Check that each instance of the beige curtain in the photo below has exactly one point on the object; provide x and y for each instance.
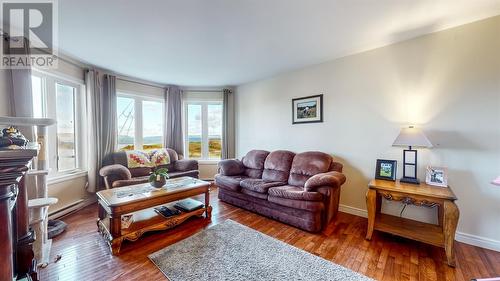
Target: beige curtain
(228, 128)
(173, 117)
(21, 98)
(101, 114)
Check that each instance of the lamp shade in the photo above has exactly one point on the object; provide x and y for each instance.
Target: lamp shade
(411, 136)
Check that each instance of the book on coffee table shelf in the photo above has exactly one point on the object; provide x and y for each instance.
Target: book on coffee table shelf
(166, 211)
(127, 220)
(188, 205)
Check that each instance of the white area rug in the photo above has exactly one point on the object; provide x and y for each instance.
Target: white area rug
(231, 251)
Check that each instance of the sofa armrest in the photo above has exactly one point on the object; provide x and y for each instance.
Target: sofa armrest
(231, 167)
(116, 170)
(185, 165)
(120, 183)
(334, 179)
(336, 166)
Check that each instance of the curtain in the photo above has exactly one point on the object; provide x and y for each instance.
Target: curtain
(94, 158)
(173, 115)
(108, 109)
(21, 99)
(101, 114)
(228, 150)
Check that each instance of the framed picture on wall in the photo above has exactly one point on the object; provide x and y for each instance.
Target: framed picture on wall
(307, 109)
(437, 176)
(386, 169)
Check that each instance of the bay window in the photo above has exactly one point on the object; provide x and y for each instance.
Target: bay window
(60, 99)
(203, 129)
(140, 122)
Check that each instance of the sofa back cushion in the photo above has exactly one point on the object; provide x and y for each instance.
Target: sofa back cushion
(277, 166)
(140, 171)
(173, 157)
(254, 163)
(120, 157)
(308, 164)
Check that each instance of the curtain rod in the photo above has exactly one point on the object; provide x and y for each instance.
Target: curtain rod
(138, 82)
(203, 91)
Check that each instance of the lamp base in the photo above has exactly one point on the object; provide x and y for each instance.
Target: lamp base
(410, 180)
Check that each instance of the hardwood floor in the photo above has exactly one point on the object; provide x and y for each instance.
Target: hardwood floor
(85, 256)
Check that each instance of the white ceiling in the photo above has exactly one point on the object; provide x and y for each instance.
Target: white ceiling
(230, 42)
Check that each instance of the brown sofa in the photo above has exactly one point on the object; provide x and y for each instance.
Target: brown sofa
(116, 173)
(299, 189)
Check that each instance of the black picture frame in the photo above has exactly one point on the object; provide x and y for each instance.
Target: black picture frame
(382, 173)
(296, 101)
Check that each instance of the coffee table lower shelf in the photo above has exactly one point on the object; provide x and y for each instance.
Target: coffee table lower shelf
(144, 221)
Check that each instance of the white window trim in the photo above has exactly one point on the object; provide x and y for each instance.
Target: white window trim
(138, 122)
(49, 81)
(204, 128)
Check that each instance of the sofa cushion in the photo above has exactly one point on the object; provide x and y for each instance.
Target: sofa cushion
(229, 182)
(313, 206)
(140, 172)
(133, 181)
(277, 165)
(230, 167)
(308, 164)
(258, 185)
(254, 163)
(294, 193)
(259, 195)
(192, 173)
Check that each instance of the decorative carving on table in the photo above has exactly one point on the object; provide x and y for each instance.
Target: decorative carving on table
(407, 200)
(115, 242)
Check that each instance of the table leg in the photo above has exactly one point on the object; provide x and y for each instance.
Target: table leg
(115, 225)
(371, 205)
(101, 211)
(450, 221)
(208, 212)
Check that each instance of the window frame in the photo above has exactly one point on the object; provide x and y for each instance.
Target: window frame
(204, 128)
(138, 117)
(49, 106)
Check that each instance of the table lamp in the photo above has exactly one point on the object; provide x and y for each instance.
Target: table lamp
(411, 137)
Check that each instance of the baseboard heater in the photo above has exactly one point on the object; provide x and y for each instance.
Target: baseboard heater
(77, 205)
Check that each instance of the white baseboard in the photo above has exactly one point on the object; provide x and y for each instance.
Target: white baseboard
(353, 211)
(478, 241)
(466, 238)
(80, 204)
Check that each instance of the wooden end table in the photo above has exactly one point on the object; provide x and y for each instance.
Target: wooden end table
(139, 201)
(441, 235)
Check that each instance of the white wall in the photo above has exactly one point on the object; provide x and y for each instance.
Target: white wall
(448, 83)
(139, 88)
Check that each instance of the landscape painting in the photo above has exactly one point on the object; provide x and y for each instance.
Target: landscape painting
(307, 109)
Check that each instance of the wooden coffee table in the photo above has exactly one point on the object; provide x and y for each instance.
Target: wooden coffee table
(139, 200)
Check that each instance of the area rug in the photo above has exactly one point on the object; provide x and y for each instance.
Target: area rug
(231, 251)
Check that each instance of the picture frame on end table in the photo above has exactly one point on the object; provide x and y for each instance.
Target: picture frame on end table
(386, 169)
(437, 176)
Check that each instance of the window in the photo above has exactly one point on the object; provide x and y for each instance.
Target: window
(59, 99)
(203, 130)
(126, 124)
(139, 122)
(66, 130)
